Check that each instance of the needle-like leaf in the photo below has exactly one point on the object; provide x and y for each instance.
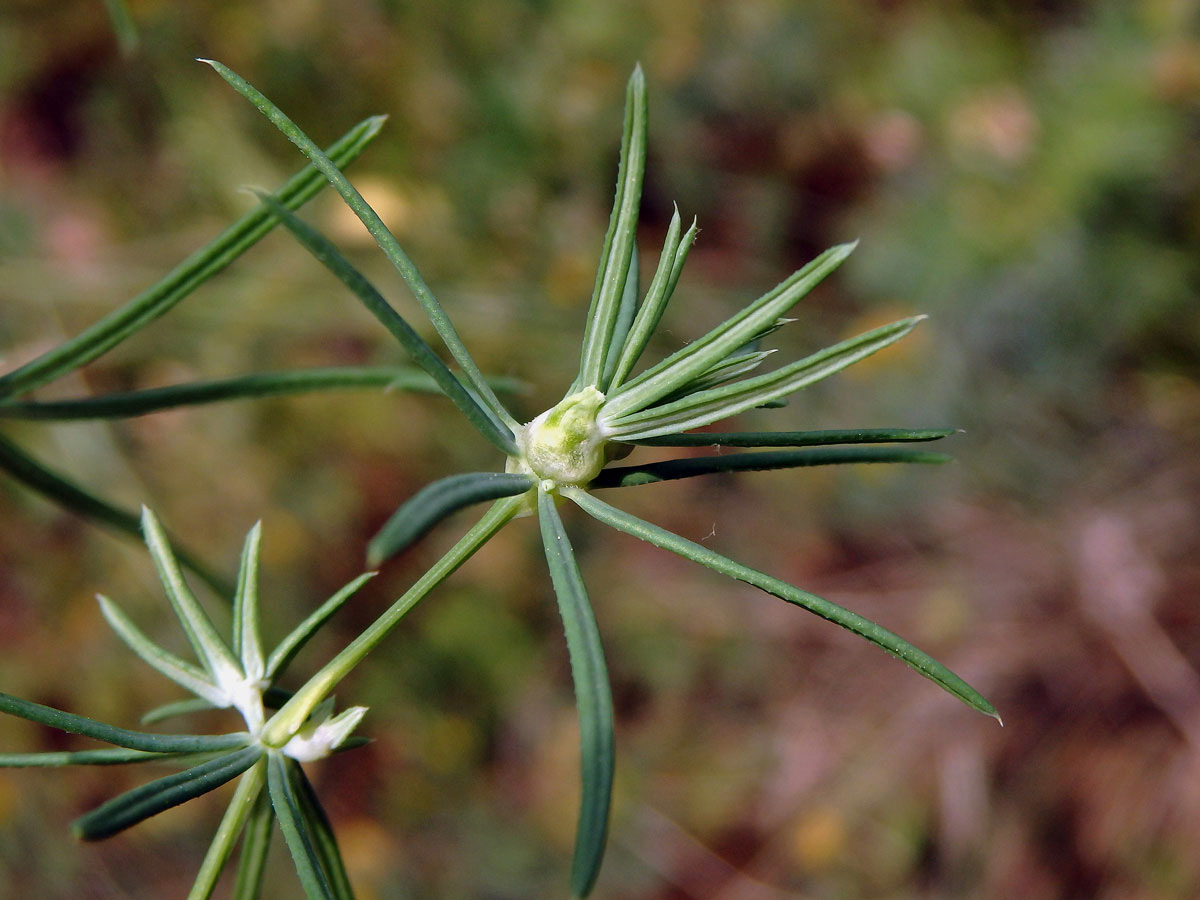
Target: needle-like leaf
(625, 316)
(211, 649)
(150, 799)
(617, 253)
(662, 286)
(705, 352)
(876, 634)
(247, 642)
(187, 276)
(114, 756)
(669, 470)
(795, 438)
(297, 831)
(729, 368)
(178, 670)
(485, 421)
(714, 404)
(128, 404)
(176, 708)
(299, 636)
(434, 502)
(383, 237)
(123, 25)
(322, 832)
(120, 737)
(285, 723)
(593, 697)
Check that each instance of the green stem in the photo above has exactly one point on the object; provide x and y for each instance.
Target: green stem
(245, 798)
(285, 723)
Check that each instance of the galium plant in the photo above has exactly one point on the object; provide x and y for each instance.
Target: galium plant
(143, 310)
(566, 453)
(235, 674)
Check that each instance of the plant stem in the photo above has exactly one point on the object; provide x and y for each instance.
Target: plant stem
(288, 720)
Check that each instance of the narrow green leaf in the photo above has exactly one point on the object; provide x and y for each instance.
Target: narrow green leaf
(187, 276)
(592, 696)
(118, 756)
(322, 832)
(662, 285)
(729, 368)
(150, 799)
(218, 660)
(706, 407)
(795, 438)
(247, 642)
(669, 470)
(383, 237)
(71, 496)
(180, 671)
(176, 708)
(477, 413)
(701, 354)
(287, 649)
(245, 799)
(285, 723)
(618, 241)
(128, 404)
(297, 831)
(630, 293)
(121, 737)
(433, 503)
(273, 697)
(123, 25)
(255, 845)
(892, 643)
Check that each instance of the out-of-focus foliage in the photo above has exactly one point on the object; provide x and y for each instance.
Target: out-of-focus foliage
(1027, 173)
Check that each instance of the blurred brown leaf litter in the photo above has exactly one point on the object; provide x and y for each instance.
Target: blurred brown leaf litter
(1026, 173)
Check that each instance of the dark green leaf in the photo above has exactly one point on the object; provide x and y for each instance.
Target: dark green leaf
(892, 643)
(593, 697)
(123, 25)
(625, 314)
(662, 285)
(186, 277)
(73, 497)
(430, 505)
(627, 476)
(297, 830)
(322, 830)
(177, 708)
(794, 438)
(383, 237)
(714, 404)
(615, 257)
(121, 737)
(484, 419)
(150, 799)
(286, 650)
(707, 351)
(243, 387)
(109, 757)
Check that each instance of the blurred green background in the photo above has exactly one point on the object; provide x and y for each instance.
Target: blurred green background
(1028, 173)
